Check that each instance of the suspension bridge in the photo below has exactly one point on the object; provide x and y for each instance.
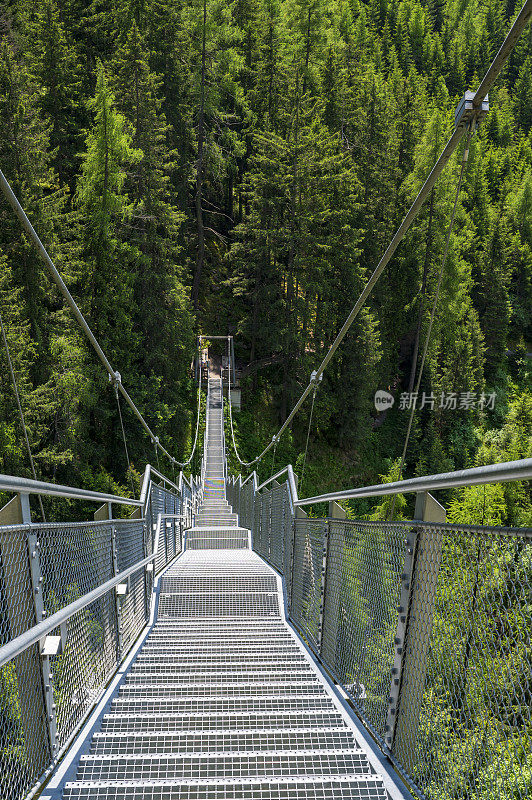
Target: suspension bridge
(212, 639)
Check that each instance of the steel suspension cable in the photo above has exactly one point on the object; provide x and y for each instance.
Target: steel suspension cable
(273, 459)
(476, 102)
(235, 448)
(434, 307)
(58, 280)
(308, 437)
(125, 442)
(198, 415)
(20, 411)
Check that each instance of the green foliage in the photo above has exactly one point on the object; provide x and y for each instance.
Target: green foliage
(239, 167)
(256, 156)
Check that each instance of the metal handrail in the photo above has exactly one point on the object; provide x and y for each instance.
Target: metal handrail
(30, 637)
(151, 472)
(492, 473)
(291, 481)
(14, 484)
(251, 475)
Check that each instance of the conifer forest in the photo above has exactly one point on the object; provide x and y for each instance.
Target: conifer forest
(238, 168)
(204, 166)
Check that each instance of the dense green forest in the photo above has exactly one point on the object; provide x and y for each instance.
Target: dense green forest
(206, 166)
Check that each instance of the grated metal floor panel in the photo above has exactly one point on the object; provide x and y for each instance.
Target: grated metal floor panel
(222, 702)
(223, 742)
(329, 789)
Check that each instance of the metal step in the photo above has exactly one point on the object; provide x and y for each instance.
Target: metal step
(222, 702)
(175, 605)
(201, 690)
(222, 742)
(337, 788)
(213, 766)
(184, 584)
(154, 675)
(218, 648)
(221, 705)
(221, 722)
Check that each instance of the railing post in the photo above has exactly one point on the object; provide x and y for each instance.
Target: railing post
(114, 554)
(323, 579)
(47, 676)
(419, 583)
(332, 584)
(19, 553)
(300, 514)
(270, 519)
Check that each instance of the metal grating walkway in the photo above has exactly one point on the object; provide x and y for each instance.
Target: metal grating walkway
(223, 701)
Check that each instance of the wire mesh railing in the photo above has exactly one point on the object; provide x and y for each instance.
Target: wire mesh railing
(426, 626)
(48, 688)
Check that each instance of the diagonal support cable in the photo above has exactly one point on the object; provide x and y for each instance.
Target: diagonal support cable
(58, 280)
(472, 108)
(434, 307)
(308, 437)
(125, 442)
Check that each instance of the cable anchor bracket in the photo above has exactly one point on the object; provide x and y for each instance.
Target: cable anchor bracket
(467, 113)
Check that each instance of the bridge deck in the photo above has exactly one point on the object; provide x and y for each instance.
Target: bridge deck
(222, 699)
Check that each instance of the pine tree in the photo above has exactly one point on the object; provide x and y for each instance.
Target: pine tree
(53, 62)
(25, 159)
(159, 312)
(216, 96)
(104, 207)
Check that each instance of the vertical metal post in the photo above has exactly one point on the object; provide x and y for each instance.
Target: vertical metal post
(300, 514)
(114, 552)
(271, 546)
(47, 675)
(323, 575)
(165, 525)
(333, 584)
(148, 573)
(282, 531)
(24, 608)
(419, 583)
(175, 522)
